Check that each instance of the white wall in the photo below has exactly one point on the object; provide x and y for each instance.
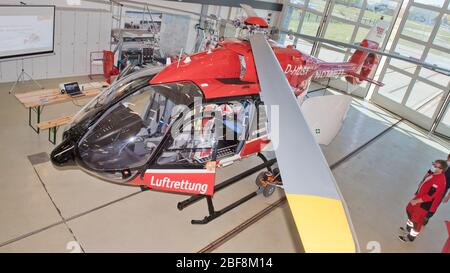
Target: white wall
(82, 29)
(58, 3)
(77, 33)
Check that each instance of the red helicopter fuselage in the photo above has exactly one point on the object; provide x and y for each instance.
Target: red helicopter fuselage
(229, 70)
(227, 80)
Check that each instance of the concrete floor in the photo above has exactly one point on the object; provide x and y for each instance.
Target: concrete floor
(46, 210)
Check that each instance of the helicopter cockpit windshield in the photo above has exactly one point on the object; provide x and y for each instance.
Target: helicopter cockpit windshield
(118, 140)
(126, 128)
(116, 90)
(128, 133)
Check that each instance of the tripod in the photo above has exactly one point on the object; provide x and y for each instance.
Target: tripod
(21, 78)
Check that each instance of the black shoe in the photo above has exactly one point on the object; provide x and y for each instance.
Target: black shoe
(403, 230)
(403, 239)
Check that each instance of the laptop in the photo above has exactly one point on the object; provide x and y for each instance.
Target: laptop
(73, 89)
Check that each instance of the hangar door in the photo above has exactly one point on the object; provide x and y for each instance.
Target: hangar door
(418, 94)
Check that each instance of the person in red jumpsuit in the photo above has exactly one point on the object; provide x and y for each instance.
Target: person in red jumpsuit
(425, 202)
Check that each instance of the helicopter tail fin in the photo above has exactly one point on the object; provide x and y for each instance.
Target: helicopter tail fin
(378, 32)
(366, 62)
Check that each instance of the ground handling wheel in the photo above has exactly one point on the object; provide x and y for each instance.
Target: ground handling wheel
(261, 178)
(268, 190)
(267, 181)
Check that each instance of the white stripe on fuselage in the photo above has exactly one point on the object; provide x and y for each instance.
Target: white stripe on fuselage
(335, 73)
(303, 70)
(298, 70)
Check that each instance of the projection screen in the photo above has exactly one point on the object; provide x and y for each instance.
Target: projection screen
(26, 30)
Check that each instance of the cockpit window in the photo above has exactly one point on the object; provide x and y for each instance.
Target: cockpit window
(211, 131)
(117, 89)
(128, 133)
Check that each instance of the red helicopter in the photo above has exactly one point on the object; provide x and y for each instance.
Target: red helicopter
(170, 128)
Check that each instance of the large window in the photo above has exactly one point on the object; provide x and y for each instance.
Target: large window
(435, 3)
(351, 21)
(443, 35)
(424, 35)
(396, 85)
(302, 16)
(444, 125)
(409, 49)
(419, 29)
(420, 23)
(348, 10)
(292, 18)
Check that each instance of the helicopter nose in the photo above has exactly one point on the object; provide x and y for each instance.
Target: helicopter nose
(63, 154)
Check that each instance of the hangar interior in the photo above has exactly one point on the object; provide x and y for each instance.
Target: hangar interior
(388, 140)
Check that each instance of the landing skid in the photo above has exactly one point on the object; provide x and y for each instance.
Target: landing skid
(213, 214)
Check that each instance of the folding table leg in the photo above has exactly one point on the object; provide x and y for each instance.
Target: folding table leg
(38, 110)
(52, 135)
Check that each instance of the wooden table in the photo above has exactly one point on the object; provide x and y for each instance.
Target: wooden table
(36, 100)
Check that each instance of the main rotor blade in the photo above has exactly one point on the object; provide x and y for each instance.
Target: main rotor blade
(249, 10)
(315, 201)
(378, 52)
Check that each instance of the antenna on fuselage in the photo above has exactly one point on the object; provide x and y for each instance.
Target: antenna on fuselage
(179, 57)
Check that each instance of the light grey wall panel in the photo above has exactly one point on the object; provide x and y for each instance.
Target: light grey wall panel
(39, 65)
(80, 51)
(9, 72)
(54, 61)
(67, 42)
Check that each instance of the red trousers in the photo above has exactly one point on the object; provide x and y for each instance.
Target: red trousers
(417, 215)
(446, 248)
